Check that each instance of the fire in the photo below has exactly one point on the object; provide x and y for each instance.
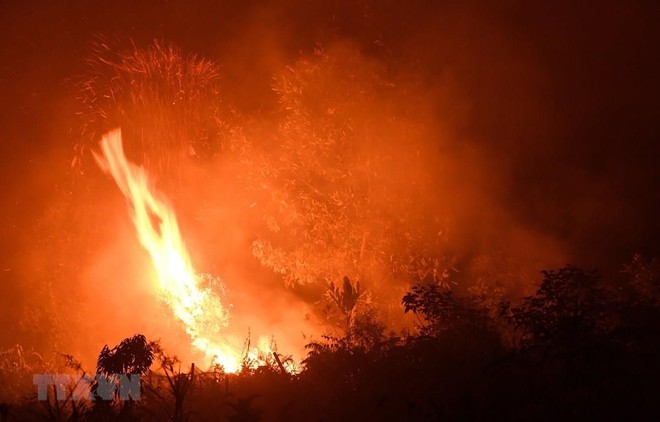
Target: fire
(197, 306)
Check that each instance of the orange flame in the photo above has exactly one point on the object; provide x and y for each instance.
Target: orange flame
(199, 309)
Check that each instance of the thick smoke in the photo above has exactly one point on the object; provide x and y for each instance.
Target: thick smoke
(471, 145)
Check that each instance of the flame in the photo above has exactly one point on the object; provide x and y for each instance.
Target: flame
(181, 288)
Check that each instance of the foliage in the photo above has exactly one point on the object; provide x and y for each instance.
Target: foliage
(587, 350)
(132, 356)
(440, 310)
(346, 298)
(328, 183)
(577, 351)
(367, 331)
(569, 307)
(16, 367)
(645, 278)
(177, 387)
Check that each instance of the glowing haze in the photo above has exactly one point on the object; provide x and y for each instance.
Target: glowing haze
(189, 295)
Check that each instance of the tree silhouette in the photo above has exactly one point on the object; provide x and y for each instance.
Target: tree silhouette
(346, 298)
(569, 309)
(568, 348)
(133, 355)
(438, 309)
(178, 385)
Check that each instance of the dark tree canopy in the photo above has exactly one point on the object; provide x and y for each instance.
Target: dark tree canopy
(133, 355)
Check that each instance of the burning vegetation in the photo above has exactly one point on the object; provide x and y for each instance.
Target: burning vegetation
(197, 307)
(332, 224)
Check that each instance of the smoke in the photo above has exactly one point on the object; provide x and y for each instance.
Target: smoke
(469, 144)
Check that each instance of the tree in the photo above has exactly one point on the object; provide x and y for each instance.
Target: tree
(569, 309)
(569, 354)
(133, 355)
(343, 184)
(438, 309)
(346, 298)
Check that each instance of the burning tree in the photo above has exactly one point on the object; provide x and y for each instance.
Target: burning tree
(343, 186)
(342, 183)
